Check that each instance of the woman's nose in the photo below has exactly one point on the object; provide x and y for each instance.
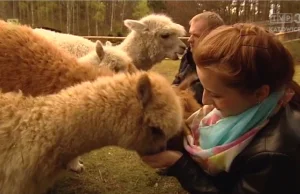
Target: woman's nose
(206, 99)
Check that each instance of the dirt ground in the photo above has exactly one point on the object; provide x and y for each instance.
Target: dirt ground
(113, 170)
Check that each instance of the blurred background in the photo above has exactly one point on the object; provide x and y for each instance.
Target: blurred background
(105, 18)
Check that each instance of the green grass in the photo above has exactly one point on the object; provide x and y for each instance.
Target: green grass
(168, 68)
(114, 170)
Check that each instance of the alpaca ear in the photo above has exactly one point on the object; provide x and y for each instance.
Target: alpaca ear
(99, 49)
(135, 25)
(144, 89)
(108, 43)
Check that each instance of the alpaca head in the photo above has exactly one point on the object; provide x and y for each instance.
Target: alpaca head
(114, 58)
(117, 60)
(153, 117)
(159, 34)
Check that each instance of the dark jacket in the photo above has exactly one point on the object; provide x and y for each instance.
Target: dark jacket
(188, 66)
(270, 164)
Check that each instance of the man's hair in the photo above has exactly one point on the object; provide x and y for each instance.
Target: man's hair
(213, 19)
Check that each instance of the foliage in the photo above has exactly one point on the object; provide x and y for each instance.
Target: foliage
(141, 9)
(99, 9)
(101, 17)
(157, 6)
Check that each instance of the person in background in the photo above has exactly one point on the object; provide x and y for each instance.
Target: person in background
(200, 25)
(249, 140)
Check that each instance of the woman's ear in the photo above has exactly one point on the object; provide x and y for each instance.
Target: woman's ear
(262, 93)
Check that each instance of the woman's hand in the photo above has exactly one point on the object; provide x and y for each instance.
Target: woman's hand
(163, 159)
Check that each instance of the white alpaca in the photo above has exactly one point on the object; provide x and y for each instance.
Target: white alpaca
(84, 49)
(152, 39)
(39, 136)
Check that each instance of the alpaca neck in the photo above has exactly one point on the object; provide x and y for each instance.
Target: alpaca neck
(137, 48)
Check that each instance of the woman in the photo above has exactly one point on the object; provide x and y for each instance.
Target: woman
(249, 140)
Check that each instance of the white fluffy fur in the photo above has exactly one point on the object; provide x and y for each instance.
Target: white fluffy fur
(152, 39)
(85, 50)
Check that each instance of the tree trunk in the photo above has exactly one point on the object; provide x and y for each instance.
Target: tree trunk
(32, 13)
(266, 10)
(73, 17)
(112, 16)
(87, 3)
(27, 14)
(20, 11)
(47, 12)
(123, 15)
(53, 13)
(237, 14)
(13, 9)
(77, 17)
(97, 33)
(60, 5)
(68, 17)
(2, 10)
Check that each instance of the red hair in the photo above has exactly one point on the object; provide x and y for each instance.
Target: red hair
(247, 57)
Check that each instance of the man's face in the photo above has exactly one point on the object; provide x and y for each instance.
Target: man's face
(197, 28)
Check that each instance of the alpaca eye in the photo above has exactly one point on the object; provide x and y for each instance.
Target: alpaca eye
(156, 131)
(164, 36)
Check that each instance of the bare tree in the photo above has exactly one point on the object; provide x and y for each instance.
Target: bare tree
(32, 13)
(112, 15)
(68, 17)
(87, 6)
(73, 17)
(123, 14)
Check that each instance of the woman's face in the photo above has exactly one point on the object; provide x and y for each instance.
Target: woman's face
(229, 101)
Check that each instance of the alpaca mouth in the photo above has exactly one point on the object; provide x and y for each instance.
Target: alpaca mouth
(175, 56)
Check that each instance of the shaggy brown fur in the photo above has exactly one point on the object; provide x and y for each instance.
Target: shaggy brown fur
(189, 103)
(35, 66)
(30, 63)
(40, 135)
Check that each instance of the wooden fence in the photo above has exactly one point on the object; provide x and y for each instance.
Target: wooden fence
(283, 36)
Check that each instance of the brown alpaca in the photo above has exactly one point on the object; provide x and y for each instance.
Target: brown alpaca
(30, 63)
(35, 66)
(40, 135)
(189, 103)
